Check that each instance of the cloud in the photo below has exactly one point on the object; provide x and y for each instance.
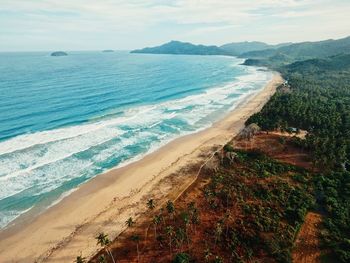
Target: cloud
(152, 21)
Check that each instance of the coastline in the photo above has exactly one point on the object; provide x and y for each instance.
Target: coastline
(104, 203)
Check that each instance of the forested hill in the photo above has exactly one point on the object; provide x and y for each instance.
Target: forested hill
(333, 63)
(317, 99)
(231, 49)
(177, 48)
(297, 52)
(238, 48)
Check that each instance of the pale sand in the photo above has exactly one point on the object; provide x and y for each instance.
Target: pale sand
(104, 203)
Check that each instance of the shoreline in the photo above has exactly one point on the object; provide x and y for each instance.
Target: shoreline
(104, 203)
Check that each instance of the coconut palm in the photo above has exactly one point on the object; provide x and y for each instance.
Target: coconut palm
(192, 207)
(207, 255)
(180, 237)
(151, 204)
(80, 259)
(170, 208)
(195, 220)
(218, 259)
(136, 238)
(186, 219)
(130, 222)
(169, 230)
(102, 259)
(218, 232)
(156, 221)
(103, 241)
(226, 220)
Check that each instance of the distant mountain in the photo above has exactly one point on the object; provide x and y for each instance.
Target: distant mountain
(177, 48)
(107, 50)
(59, 54)
(305, 50)
(242, 47)
(239, 48)
(297, 52)
(334, 63)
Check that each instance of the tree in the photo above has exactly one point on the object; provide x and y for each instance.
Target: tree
(136, 239)
(102, 259)
(156, 221)
(180, 235)
(170, 208)
(195, 220)
(80, 259)
(181, 258)
(207, 255)
(218, 232)
(218, 259)
(130, 222)
(103, 241)
(169, 230)
(186, 219)
(150, 204)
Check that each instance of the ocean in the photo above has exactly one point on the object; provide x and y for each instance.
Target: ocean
(64, 120)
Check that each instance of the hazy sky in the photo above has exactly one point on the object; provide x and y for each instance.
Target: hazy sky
(129, 24)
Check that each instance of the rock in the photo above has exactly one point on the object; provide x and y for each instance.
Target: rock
(59, 54)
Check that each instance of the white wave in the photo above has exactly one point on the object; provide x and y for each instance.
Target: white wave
(8, 216)
(43, 161)
(54, 152)
(29, 140)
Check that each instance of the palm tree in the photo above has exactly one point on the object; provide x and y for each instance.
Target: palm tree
(192, 207)
(170, 208)
(218, 232)
(195, 220)
(102, 259)
(156, 220)
(80, 259)
(207, 255)
(136, 238)
(226, 219)
(186, 219)
(130, 222)
(218, 259)
(170, 232)
(103, 241)
(180, 237)
(151, 204)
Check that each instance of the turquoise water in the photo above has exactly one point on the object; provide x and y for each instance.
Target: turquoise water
(63, 120)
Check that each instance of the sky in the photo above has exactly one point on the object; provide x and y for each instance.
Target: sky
(34, 25)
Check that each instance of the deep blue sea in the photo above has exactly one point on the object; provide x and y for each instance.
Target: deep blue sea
(64, 120)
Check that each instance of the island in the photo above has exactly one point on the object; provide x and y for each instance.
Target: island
(58, 54)
(107, 51)
(232, 49)
(182, 48)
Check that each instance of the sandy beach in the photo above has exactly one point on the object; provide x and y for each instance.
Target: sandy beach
(104, 203)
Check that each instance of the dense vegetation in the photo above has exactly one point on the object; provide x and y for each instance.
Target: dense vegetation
(300, 51)
(317, 99)
(251, 207)
(246, 209)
